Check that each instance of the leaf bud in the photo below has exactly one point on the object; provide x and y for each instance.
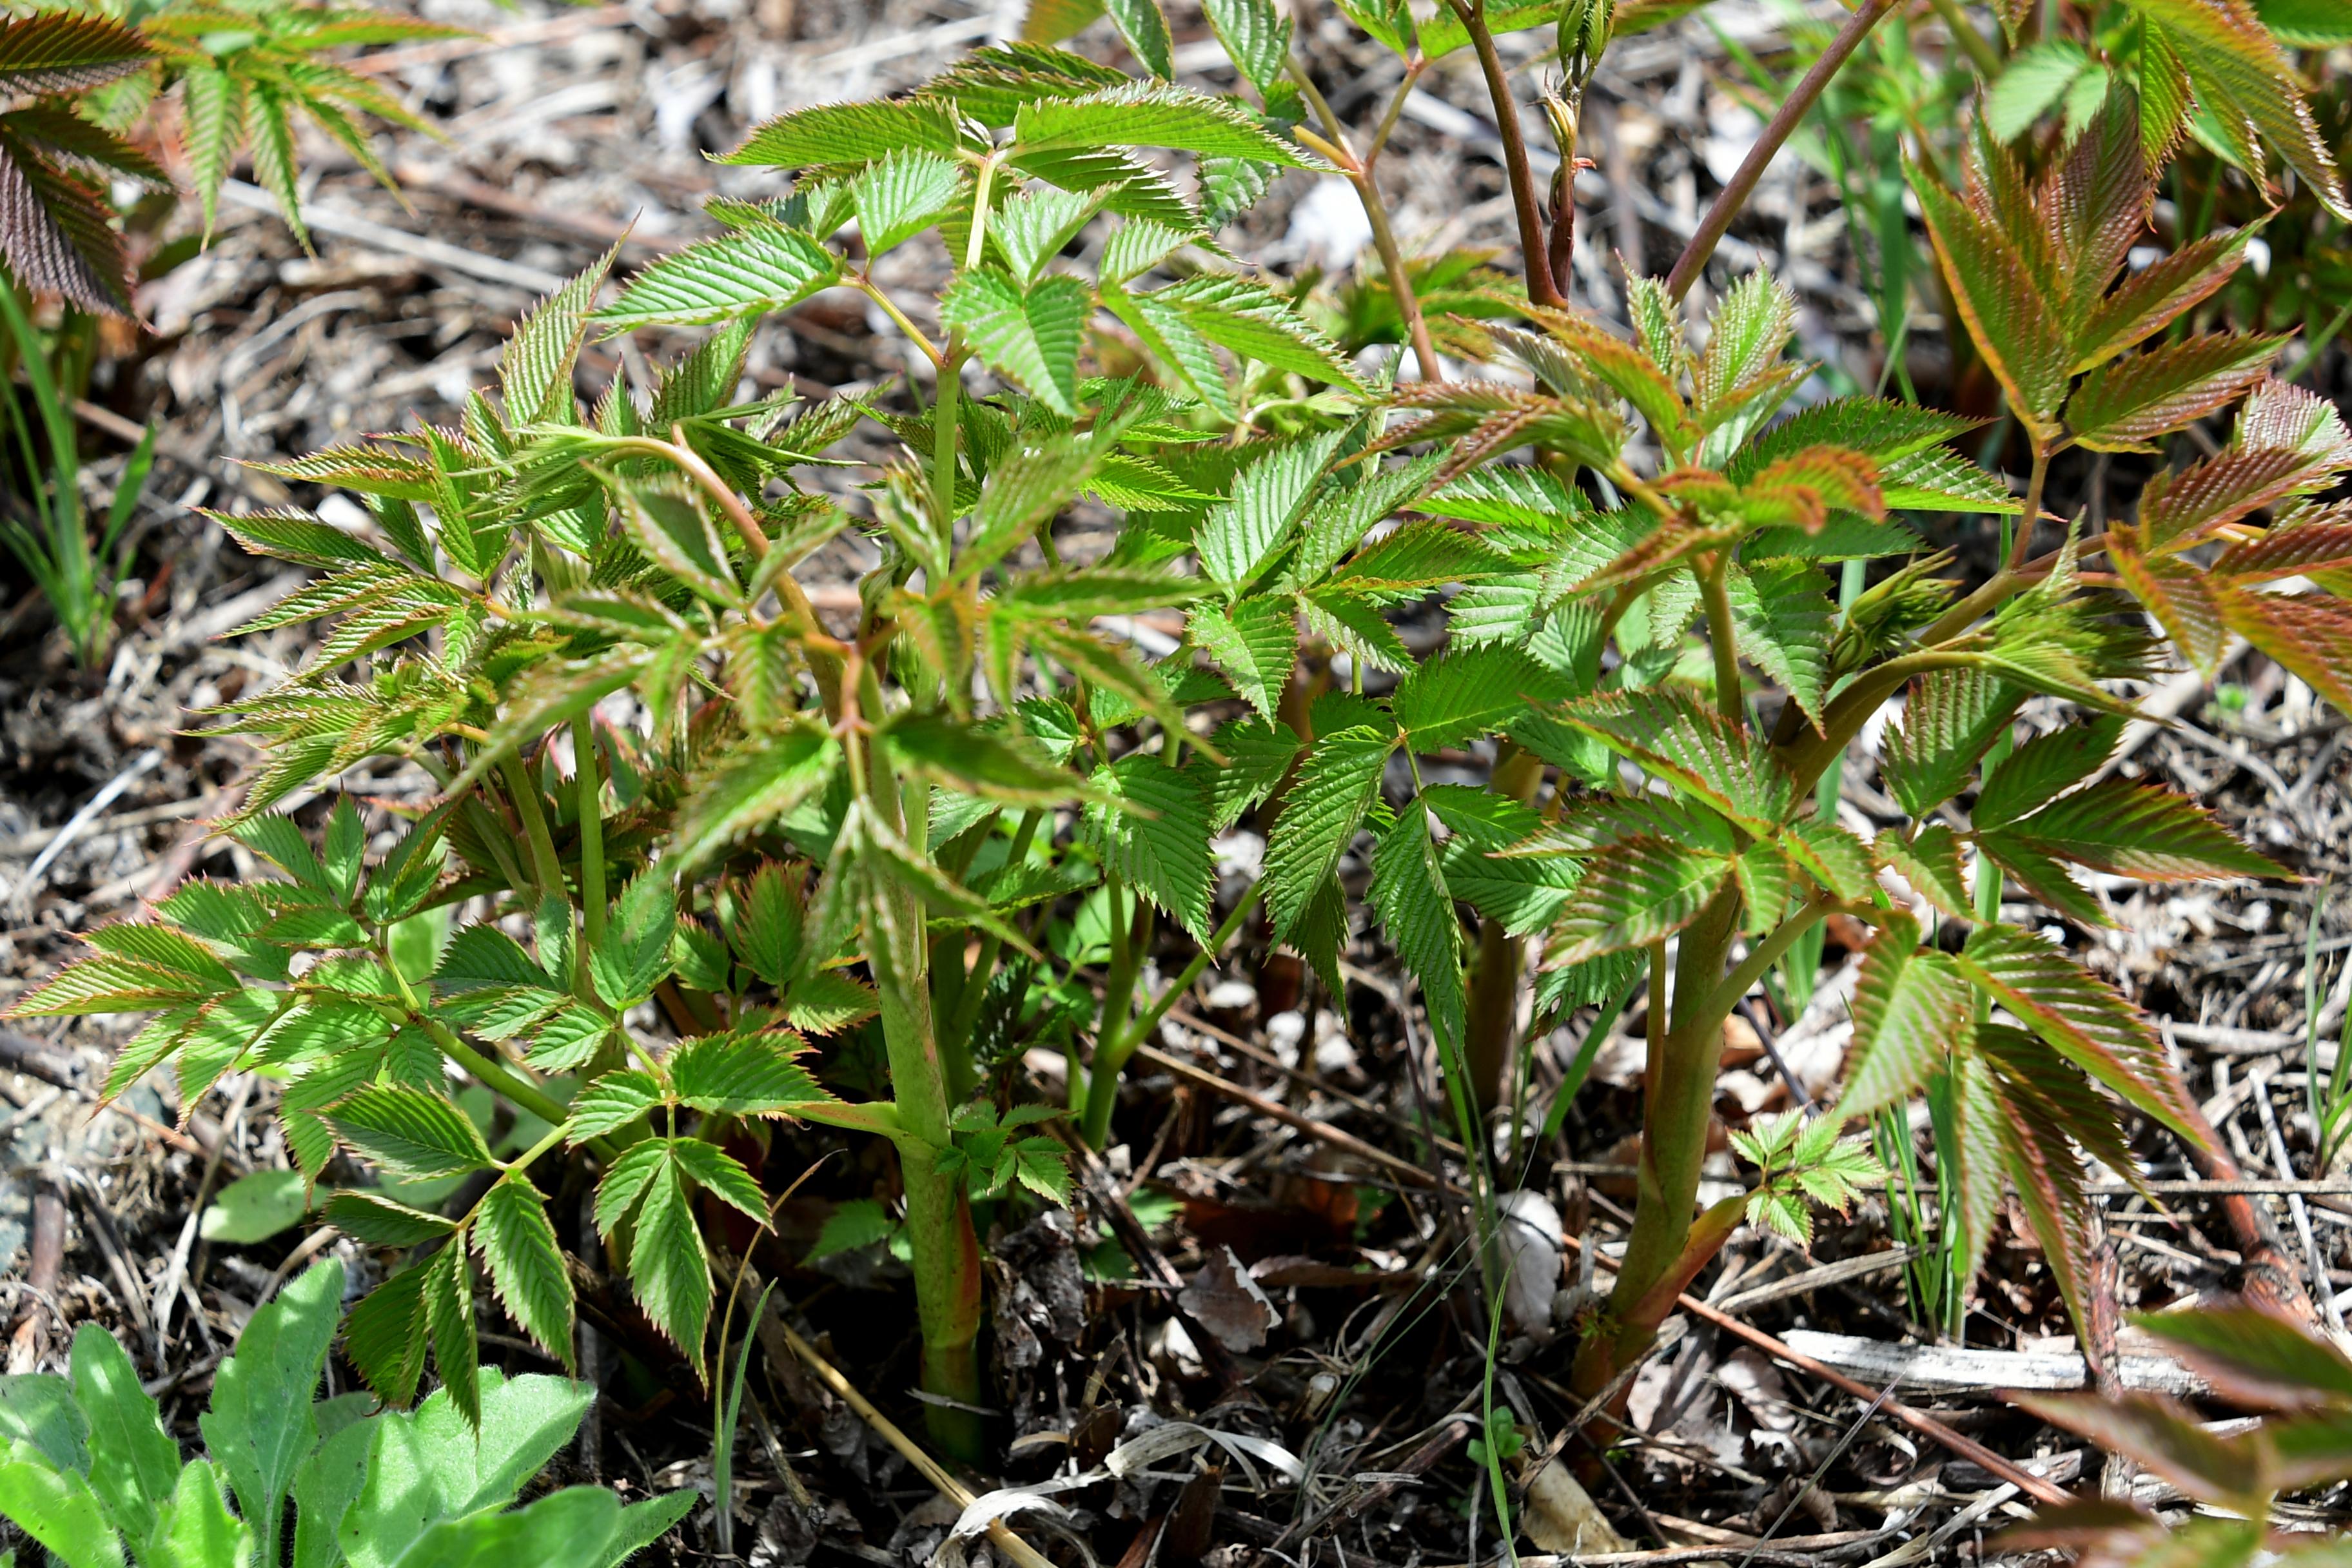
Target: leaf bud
(1584, 27)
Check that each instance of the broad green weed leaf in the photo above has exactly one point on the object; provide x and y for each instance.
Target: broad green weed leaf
(134, 1463)
(196, 1529)
(573, 1526)
(56, 1507)
(260, 1426)
(434, 1464)
(256, 1206)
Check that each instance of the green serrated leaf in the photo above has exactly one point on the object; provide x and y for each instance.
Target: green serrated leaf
(412, 1134)
(1329, 799)
(1030, 336)
(510, 1230)
(1633, 893)
(1153, 832)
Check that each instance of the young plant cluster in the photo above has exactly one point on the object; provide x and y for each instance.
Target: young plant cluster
(695, 829)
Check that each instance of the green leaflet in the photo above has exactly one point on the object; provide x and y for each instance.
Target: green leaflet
(1151, 114)
(1667, 731)
(1417, 913)
(1458, 696)
(1636, 892)
(851, 134)
(1258, 755)
(2080, 1016)
(1255, 644)
(1524, 892)
(413, 1134)
(1239, 536)
(1256, 36)
(750, 272)
(1911, 1008)
(511, 1231)
(1152, 831)
(1256, 324)
(1328, 801)
(1950, 719)
(1146, 32)
(1029, 336)
(902, 195)
(1784, 614)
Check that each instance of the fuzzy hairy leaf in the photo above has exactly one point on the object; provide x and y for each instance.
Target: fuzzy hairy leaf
(1029, 336)
(2143, 831)
(1256, 643)
(412, 1134)
(1459, 696)
(1667, 731)
(832, 134)
(2124, 405)
(1241, 535)
(1950, 719)
(510, 1230)
(1256, 324)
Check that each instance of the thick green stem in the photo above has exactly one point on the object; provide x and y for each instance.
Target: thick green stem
(547, 870)
(1101, 1090)
(1679, 1099)
(1113, 1049)
(948, 1304)
(588, 780)
(1491, 1014)
(946, 1262)
(1713, 1228)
